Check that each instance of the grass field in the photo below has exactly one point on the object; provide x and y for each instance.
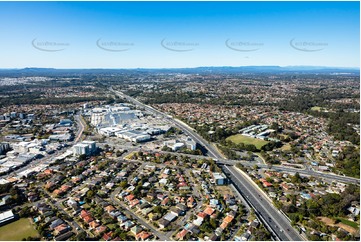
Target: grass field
(316, 108)
(128, 157)
(224, 190)
(345, 224)
(239, 138)
(112, 226)
(86, 206)
(349, 223)
(286, 147)
(18, 230)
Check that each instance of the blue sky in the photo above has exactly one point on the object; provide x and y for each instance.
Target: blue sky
(178, 34)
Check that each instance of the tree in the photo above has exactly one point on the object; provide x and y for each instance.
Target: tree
(90, 194)
(123, 184)
(296, 178)
(81, 236)
(118, 153)
(262, 234)
(158, 209)
(82, 157)
(213, 223)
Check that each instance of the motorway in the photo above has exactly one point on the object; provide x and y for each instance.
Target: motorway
(274, 219)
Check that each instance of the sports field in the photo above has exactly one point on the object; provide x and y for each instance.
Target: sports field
(17, 230)
(239, 138)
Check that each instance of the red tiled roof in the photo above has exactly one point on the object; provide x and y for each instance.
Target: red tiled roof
(129, 197)
(93, 224)
(134, 202)
(88, 219)
(223, 225)
(108, 236)
(60, 227)
(165, 201)
(209, 211)
(228, 219)
(143, 235)
(202, 215)
(65, 188)
(181, 234)
(109, 208)
(84, 213)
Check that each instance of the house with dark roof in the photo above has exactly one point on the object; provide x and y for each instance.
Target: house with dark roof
(163, 223)
(56, 223)
(64, 237)
(61, 229)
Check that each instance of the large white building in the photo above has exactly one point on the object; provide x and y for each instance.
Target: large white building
(113, 115)
(85, 148)
(21, 147)
(134, 135)
(178, 144)
(6, 217)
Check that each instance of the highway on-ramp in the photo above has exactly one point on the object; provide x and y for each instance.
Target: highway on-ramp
(306, 172)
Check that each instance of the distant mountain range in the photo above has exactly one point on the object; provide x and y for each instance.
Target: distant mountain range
(200, 70)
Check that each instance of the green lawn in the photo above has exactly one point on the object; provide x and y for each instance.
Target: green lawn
(18, 230)
(349, 223)
(239, 138)
(113, 226)
(86, 206)
(316, 108)
(286, 147)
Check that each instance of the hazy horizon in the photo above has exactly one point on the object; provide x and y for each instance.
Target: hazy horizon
(195, 67)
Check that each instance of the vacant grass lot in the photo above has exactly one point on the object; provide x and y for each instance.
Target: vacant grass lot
(316, 108)
(349, 223)
(17, 230)
(286, 147)
(239, 138)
